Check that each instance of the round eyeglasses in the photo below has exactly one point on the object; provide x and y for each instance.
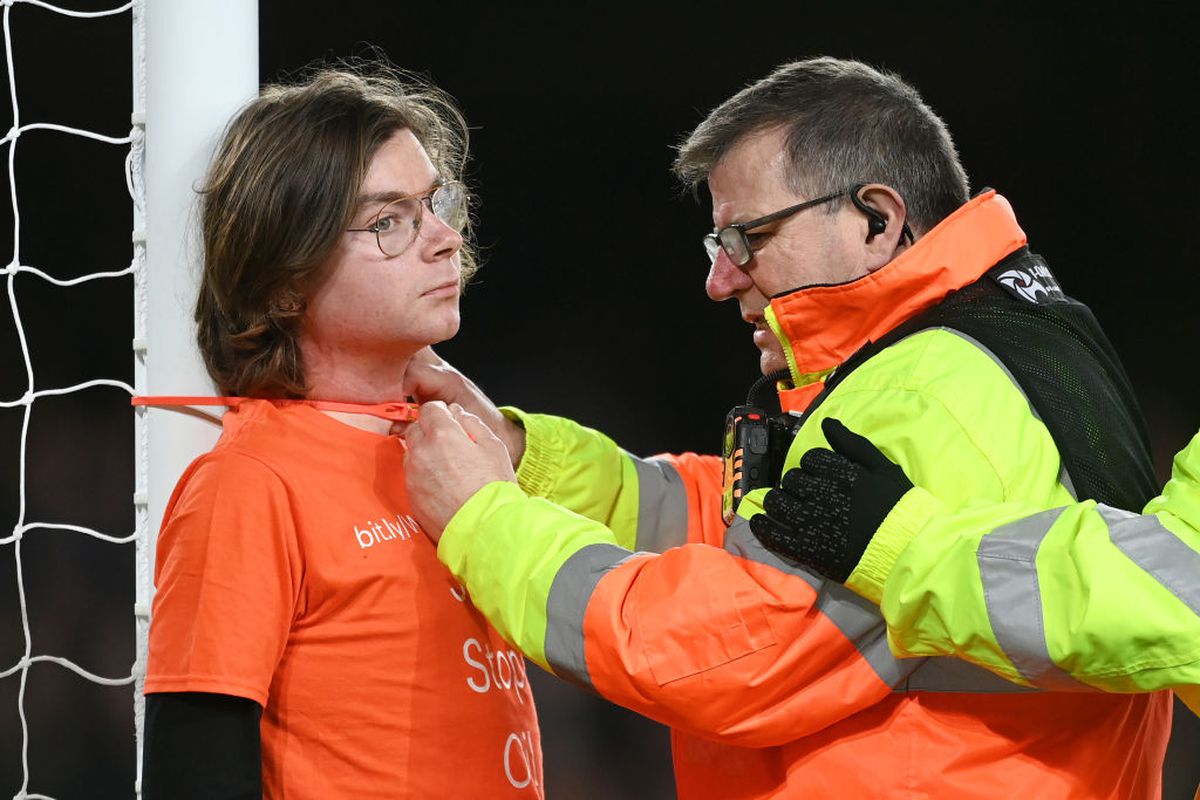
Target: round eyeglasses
(397, 224)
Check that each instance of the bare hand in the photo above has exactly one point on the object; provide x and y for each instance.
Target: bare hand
(430, 377)
(451, 455)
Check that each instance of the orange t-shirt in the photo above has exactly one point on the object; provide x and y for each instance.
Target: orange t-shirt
(290, 572)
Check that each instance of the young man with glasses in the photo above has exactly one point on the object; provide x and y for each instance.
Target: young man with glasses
(953, 348)
(304, 641)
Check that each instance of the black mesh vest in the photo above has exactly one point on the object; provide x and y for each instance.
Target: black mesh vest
(1056, 352)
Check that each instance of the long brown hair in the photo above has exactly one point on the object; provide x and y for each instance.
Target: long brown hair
(278, 195)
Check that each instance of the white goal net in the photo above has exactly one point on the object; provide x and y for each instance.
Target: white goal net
(65, 562)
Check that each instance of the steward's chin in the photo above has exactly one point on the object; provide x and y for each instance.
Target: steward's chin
(769, 362)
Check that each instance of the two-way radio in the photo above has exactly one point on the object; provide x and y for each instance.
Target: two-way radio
(754, 446)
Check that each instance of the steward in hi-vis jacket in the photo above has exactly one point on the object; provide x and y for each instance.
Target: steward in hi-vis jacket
(965, 362)
(1109, 597)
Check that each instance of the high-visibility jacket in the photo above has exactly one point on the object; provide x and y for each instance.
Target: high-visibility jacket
(775, 682)
(1118, 605)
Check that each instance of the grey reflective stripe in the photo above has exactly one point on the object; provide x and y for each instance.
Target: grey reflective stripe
(861, 623)
(1063, 476)
(567, 603)
(1161, 554)
(1008, 568)
(662, 505)
(857, 619)
(741, 542)
(945, 674)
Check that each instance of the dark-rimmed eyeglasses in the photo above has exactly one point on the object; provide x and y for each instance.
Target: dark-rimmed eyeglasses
(396, 224)
(733, 239)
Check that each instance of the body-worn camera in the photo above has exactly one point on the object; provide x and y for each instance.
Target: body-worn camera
(754, 448)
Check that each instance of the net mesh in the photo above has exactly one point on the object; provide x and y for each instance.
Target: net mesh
(1057, 354)
(25, 401)
(1073, 378)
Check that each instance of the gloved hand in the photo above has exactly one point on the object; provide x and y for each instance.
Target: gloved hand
(825, 511)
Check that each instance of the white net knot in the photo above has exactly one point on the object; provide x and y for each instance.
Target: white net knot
(15, 130)
(18, 532)
(12, 267)
(8, 2)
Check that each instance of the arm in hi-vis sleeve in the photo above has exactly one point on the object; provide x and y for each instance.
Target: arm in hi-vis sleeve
(1109, 597)
(720, 637)
(677, 637)
(648, 504)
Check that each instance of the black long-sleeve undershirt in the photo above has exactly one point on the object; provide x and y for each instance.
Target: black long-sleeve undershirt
(201, 746)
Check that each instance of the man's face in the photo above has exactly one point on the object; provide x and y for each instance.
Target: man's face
(371, 306)
(811, 247)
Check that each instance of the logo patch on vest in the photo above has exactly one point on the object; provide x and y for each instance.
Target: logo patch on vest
(1033, 284)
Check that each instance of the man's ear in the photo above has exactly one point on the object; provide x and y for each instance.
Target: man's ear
(886, 231)
(286, 307)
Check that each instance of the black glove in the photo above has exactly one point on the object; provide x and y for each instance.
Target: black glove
(825, 511)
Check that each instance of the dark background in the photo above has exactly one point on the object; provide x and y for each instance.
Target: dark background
(591, 302)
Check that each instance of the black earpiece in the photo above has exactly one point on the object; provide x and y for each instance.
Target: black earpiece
(876, 222)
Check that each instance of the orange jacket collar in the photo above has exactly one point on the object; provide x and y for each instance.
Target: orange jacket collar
(821, 326)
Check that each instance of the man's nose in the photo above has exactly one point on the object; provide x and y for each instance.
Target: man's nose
(724, 279)
(439, 240)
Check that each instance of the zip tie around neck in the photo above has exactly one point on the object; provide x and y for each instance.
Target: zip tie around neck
(397, 412)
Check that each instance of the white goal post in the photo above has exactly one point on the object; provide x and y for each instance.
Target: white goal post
(194, 65)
